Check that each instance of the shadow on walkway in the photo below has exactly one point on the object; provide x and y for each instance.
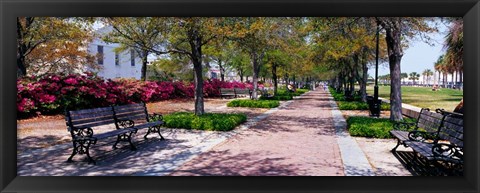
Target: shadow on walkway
(419, 167)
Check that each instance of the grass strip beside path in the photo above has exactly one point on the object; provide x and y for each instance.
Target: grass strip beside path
(253, 103)
(207, 121)
(371, 127)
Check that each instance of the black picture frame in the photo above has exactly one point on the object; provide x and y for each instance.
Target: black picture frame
(9, 9)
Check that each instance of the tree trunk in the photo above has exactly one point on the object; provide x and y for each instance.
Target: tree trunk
(222, 70)
(461, 76)
(453, 76)
(256, 69)
(274, 78)
(144, 66)
(22, 46)
(255, 84)
(445, 79)
(395, 53)
(456, 78)
(294, 81)
(21, 69)
(196, 47)
(363, 87)
(240, 73)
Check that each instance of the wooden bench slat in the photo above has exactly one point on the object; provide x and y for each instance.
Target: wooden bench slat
(402, 135)
(90, 111)
(113, 133)
(424, 149)
(93, 119)
(91, 115)
(131, 117)
(124, 109)
(128, 106)
(94, 124)
(148, 124)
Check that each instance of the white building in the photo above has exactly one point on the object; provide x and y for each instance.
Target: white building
(114, 64)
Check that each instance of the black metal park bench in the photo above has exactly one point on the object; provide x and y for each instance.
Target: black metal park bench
(235, 92)
(227, 92)
(127, 120)
(423, 130)
(243, 92)
(447, 147)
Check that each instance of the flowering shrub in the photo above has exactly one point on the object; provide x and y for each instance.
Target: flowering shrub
(54, 93)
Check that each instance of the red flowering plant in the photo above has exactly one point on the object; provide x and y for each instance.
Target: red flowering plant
(55, 93)
(164, 91)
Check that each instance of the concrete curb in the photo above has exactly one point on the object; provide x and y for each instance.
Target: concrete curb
(355, 161)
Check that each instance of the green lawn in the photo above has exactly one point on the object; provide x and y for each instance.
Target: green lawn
(424, 97)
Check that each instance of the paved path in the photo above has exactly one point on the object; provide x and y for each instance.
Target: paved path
(305, 136)
(302, 138)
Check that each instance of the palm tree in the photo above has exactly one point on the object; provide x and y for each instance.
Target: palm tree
(427, 73)
(414, 76)
(454, 49)
(439, 66)
(424, 75)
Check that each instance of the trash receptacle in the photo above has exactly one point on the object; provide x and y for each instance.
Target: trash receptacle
(374, 106)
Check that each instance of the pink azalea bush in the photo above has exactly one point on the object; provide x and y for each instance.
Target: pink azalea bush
(55, 93)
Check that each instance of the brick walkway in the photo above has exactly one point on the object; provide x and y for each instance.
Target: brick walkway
(299, 139)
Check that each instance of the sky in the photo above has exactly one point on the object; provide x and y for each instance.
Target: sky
(419, 55)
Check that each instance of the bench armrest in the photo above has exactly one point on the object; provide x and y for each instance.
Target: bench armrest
(448, 152)
(404, 126)
(82, 134)
(126, 123)
(421, 136)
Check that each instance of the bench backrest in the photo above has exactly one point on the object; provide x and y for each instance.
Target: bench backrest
(227, 91)
(242, 91)
(81, 119)
(429, 121)
(134, 112)
(452, 130)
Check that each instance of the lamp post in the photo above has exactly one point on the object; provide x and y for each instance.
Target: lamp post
(375, 88)
(373, 102)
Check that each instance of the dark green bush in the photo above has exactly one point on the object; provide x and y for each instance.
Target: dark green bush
(301, 91)
(284, 92)
(370, 127)
(208, 121)
(336, 96)
(253, 103)
(355, 105)
(278, 97)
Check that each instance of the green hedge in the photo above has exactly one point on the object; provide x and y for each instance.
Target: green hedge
(208, 121)
(336, 96)
(278, 98)
(355, 105)
(253, 103)
(370, 127)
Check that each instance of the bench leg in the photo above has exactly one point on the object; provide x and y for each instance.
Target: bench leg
(125, 137)
(398, 144)
(90, 159)
(82, 147)
(152, 130)
(74, 151)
